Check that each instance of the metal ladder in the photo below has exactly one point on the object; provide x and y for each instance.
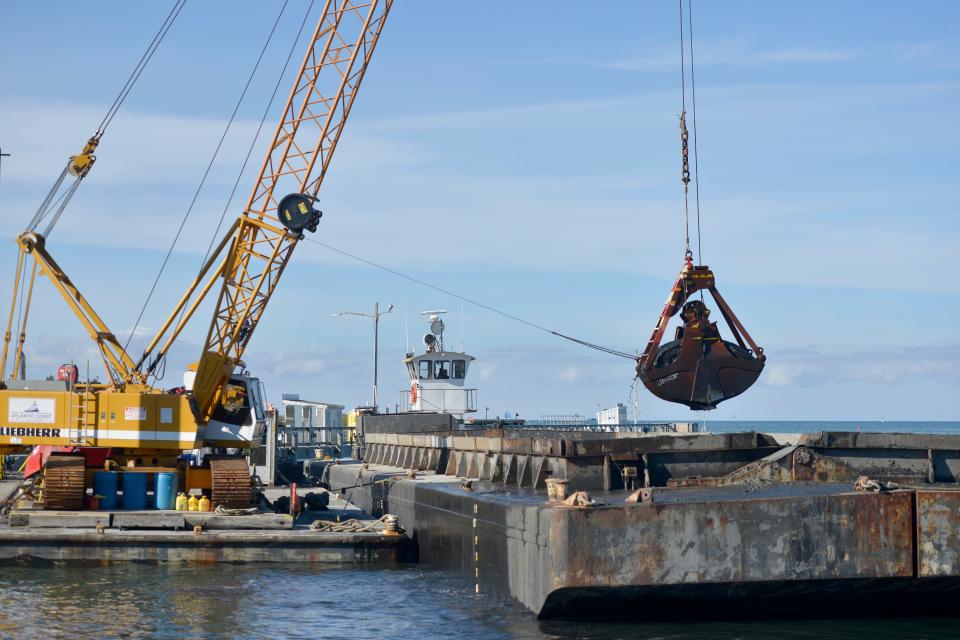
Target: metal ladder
(83, 418)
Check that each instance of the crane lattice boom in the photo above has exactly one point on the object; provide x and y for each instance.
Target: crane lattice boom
(296, 162)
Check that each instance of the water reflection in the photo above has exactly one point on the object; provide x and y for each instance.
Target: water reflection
(259, 601)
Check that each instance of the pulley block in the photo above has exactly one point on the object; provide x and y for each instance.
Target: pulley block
(296, 213)
(698, 367)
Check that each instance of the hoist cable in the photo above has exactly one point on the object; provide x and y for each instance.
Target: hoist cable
(253, 142)
(203, 180)
(696, 156)
(21, 296)
(140, 66)
(66, 196)
(534, 325)
(684, 153)
(46, 207)
(256, 136)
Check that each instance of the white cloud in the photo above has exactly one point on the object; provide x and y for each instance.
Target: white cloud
(730, 52)
(571, 374)
(890, 367)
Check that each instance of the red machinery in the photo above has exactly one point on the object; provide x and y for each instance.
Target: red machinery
(698, 368)
(68, 373)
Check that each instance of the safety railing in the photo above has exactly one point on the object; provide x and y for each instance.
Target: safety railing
(456, 400)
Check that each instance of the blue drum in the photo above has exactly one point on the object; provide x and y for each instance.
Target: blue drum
(105, 486)
(134, 490)
(165, 490)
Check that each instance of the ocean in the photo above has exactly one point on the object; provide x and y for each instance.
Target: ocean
(806, 426)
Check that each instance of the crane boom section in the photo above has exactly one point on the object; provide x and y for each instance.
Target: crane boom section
(119, 366)
(296, 162)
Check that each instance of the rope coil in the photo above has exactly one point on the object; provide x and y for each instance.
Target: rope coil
(387, 524)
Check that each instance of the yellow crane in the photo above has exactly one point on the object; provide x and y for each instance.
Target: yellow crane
(146, 428)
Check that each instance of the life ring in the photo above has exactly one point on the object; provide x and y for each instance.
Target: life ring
(413, 393)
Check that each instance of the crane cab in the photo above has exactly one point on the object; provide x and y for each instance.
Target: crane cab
(240, 417)
(438, 377)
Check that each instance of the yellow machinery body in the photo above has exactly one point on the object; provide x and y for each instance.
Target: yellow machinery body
(102, 418)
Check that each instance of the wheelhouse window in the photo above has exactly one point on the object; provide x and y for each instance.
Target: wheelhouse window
(459, 369)
(441, 370)
(412, 370)
(425, 369)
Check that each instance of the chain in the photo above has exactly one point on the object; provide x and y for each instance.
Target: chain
(685, 179)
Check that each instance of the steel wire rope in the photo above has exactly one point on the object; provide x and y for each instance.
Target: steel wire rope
(585, 343)
(246, 159)
(696, 155)
(685, 169)
(140, 66)
(23, 281)
(125, 90)
(203, 179)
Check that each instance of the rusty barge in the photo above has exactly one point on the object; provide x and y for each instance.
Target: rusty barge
(677, 526)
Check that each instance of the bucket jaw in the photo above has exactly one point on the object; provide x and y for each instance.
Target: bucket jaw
(698, 367)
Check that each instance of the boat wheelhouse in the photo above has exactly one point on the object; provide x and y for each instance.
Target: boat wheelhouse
(438, 377)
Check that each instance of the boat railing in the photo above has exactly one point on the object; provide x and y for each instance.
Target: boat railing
(443, 400)
(640, 427)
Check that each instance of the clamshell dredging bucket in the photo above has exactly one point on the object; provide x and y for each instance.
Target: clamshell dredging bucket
(698, 368)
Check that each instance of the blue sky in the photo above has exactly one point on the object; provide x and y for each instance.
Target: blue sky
(526, 155)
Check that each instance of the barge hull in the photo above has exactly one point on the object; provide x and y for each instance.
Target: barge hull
(752, 549)
(85, 545)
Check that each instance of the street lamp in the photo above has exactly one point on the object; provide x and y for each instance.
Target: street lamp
(376, 329)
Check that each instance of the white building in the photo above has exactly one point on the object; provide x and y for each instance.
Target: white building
(613, 416)
(312, 424)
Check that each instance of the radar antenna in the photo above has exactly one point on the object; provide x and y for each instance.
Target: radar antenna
(435, 337)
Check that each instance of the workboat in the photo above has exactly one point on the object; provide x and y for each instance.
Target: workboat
(438, 376)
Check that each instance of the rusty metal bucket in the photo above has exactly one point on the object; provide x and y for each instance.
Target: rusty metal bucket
(699, 368)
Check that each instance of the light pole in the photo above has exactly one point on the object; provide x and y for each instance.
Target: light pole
(376, 330)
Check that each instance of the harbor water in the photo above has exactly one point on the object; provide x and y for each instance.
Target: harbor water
(263, 601)
(174, 600)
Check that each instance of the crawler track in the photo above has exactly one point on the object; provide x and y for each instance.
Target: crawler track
(63, 482)
(230, 482)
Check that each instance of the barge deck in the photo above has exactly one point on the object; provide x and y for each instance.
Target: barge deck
(178, 536)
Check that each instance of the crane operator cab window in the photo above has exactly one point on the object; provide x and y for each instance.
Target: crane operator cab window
(459, 369)
(425, 369)
(442, 370)
(234, 404)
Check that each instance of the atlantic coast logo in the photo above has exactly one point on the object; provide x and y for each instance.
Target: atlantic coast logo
(32, 410)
